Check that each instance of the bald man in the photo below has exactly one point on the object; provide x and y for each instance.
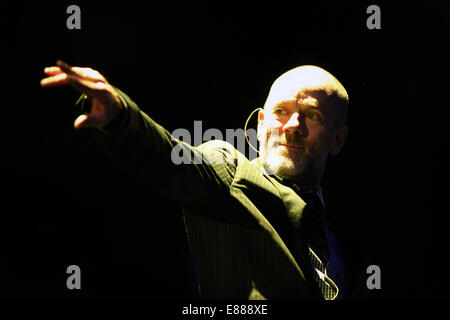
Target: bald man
(257, 229)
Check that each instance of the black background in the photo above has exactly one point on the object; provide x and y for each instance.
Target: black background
(64, 203)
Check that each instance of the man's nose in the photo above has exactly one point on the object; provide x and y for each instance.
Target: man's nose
(294, 124)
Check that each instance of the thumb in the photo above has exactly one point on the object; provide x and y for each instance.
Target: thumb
(89, 121)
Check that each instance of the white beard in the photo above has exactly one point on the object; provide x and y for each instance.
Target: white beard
(279, 162)
(283, 166)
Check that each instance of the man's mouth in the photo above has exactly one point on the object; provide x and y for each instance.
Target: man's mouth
(292, 146)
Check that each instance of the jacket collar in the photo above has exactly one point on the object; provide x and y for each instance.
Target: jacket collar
(289, 183)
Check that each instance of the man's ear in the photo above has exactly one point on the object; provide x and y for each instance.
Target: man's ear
(260, 123)
(338, 140)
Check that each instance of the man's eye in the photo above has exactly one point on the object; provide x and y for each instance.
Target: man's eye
(279, 111)
(313, 116)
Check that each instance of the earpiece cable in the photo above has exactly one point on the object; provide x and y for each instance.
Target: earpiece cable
(245, 129)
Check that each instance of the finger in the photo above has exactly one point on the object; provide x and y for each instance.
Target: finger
(65, 67)
(89, 121)
(63, 79)
(80, 121)
(82, 85)
(87, 73)
(53, 81)
(52, 71)
(84, 72)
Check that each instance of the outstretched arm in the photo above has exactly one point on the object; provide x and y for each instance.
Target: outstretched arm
(144, 149)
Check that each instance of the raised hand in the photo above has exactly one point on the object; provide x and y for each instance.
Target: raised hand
(105, 100)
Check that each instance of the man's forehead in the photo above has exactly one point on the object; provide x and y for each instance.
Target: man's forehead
(305, 95)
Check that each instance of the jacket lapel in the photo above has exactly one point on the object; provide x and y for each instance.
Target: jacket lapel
(293, 241)
(280, 224)
(293, 204)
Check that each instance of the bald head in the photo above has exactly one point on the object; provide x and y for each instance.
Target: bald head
(307, 79)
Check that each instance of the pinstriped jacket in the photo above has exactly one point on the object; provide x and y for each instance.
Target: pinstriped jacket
(244, 226)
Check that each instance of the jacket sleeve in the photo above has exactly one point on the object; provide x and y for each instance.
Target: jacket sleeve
(198, 179)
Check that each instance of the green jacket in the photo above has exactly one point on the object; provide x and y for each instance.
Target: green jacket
(244, 226)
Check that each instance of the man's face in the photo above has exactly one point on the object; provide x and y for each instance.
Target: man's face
(296, 131)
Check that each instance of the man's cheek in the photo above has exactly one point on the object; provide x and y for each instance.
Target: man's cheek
(273, 137)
